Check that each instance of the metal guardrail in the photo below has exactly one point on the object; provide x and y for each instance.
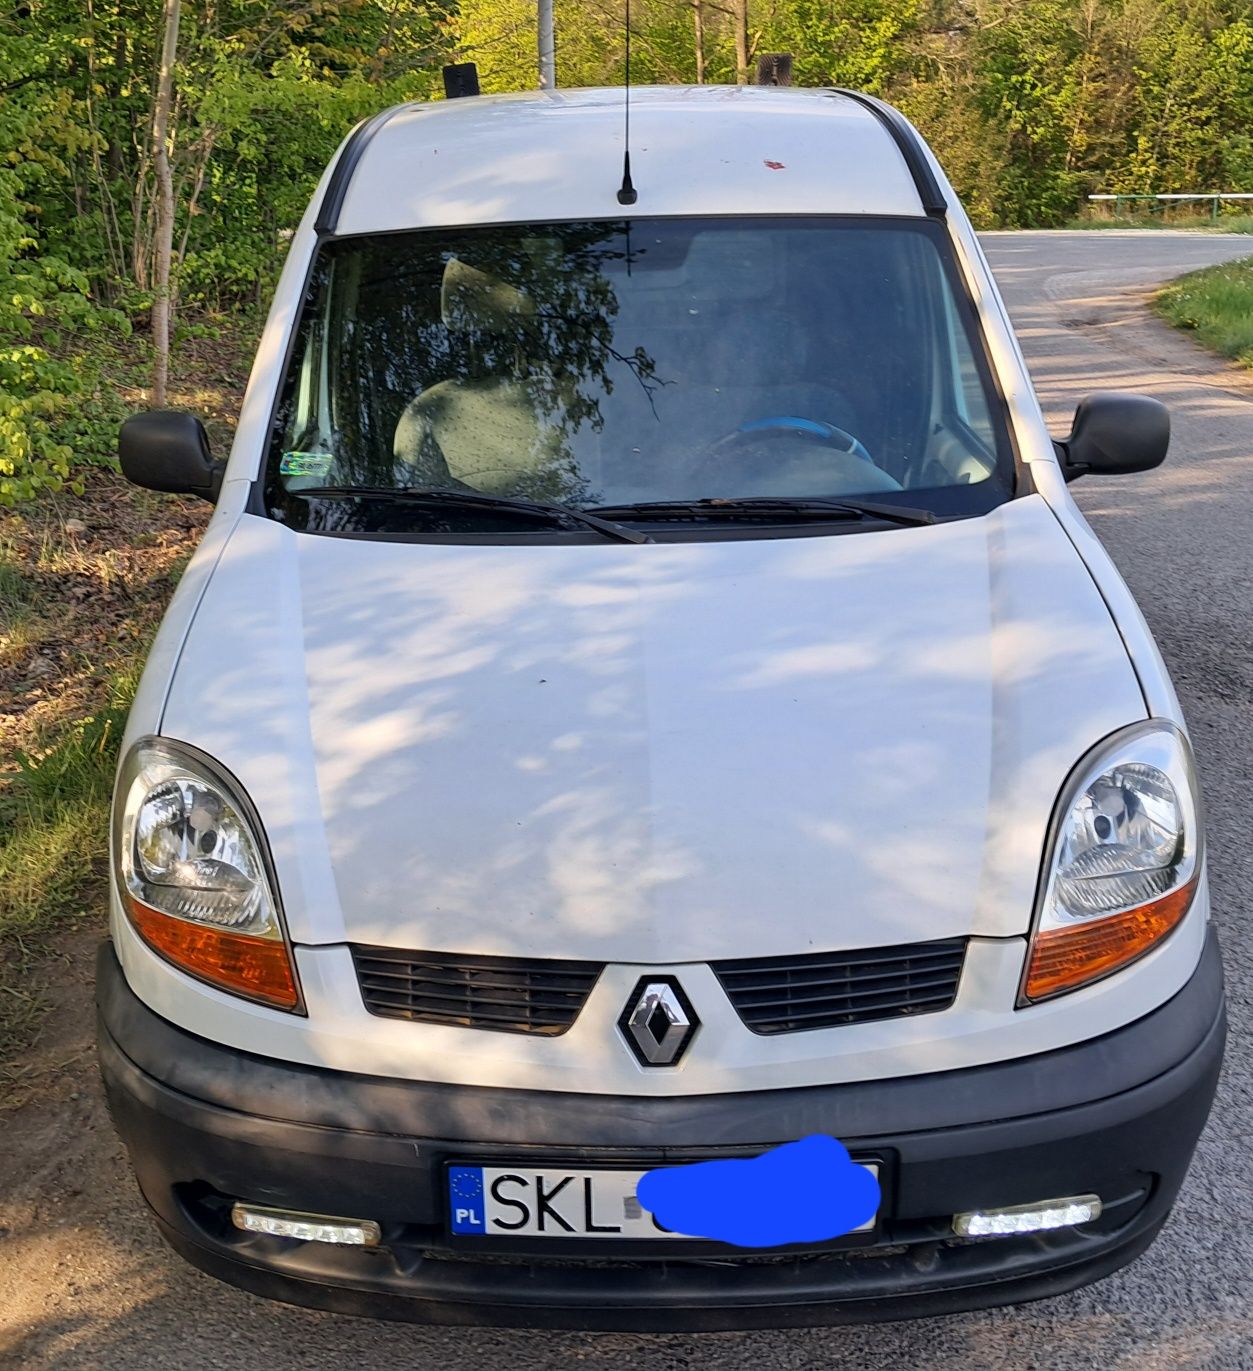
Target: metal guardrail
(1214, 197)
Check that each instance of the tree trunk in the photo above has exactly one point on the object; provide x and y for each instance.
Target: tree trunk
(741, 41)
(698, 23)
(114, 92)
(164, 249)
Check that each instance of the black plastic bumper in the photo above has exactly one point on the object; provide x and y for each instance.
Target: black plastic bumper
(1118, 1116)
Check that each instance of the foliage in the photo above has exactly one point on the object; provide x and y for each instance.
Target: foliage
(43, 299)
(265, 91)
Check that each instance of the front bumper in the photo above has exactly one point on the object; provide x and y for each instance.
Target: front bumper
(1118, 1116)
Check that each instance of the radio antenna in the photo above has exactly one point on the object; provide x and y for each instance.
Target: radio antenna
(627, 194)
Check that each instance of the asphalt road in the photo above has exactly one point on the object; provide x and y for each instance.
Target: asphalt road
(84, 1281)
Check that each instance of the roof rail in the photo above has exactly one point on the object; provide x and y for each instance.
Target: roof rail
(910, 147)
(355, 145)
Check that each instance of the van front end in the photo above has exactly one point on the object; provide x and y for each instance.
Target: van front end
(210, 1128)
(646, 697)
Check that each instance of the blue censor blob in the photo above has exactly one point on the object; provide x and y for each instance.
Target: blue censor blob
(806, 1191)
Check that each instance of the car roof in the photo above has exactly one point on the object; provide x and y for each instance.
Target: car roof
(557, 155)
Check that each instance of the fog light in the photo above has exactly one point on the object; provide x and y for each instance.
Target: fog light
(1028, 1218)
(285, 1223)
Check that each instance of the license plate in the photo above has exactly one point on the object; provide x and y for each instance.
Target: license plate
(521, 1202)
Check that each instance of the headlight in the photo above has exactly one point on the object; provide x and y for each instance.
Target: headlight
(192, 874)
(1123, 862)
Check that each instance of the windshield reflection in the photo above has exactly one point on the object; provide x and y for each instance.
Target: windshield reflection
(614, 363)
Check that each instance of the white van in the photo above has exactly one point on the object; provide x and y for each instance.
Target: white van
(646, 696)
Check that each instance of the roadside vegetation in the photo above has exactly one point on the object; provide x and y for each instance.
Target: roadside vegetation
(1192, 223)
(1216, 303)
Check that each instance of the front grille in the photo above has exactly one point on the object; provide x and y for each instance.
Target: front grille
(508, 994)
(822, 989)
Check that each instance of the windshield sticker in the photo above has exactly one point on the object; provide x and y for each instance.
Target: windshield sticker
(806, 1191)
(305, 463)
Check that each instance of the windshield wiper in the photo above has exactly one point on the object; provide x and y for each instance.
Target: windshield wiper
(473, 499)
(795, 506)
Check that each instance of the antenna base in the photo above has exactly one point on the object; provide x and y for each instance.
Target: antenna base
(628, 195)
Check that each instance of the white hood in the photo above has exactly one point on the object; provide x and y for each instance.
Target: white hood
(655, 753)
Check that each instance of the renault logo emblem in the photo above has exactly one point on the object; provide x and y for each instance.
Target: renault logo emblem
(658, 1021)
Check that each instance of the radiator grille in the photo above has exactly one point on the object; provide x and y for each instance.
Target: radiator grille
(820, 990)
(508, 994)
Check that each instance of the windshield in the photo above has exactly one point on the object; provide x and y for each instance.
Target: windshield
(619, 365)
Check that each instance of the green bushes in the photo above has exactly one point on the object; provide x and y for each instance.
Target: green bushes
(47, 316)
(46, 323)
(264, 93)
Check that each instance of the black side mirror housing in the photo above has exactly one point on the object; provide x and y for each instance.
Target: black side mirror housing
(167, 450)
(1115, 432)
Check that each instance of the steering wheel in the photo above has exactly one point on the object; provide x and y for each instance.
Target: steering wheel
(838, 438)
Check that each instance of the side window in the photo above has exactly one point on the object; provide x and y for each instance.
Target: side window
(308, 435)
(966, 394)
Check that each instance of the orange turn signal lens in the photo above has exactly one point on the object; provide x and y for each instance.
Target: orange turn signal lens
(257, 968)
(1066, 958)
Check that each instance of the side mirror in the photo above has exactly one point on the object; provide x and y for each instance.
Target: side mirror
(167, 450)
(1115, 432)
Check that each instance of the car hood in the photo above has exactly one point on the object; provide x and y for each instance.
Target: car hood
(655, 753)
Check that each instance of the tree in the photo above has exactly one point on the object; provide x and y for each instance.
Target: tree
(162, 302)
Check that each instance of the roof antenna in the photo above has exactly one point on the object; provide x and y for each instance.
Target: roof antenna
(627, 194)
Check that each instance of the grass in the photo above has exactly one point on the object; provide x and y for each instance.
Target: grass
(1226, 223)
(52, 824)
(54, 815)
(1216, 303)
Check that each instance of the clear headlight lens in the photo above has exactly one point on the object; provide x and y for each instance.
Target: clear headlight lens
(192, 877)
(1125, 860)
(194, 857)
